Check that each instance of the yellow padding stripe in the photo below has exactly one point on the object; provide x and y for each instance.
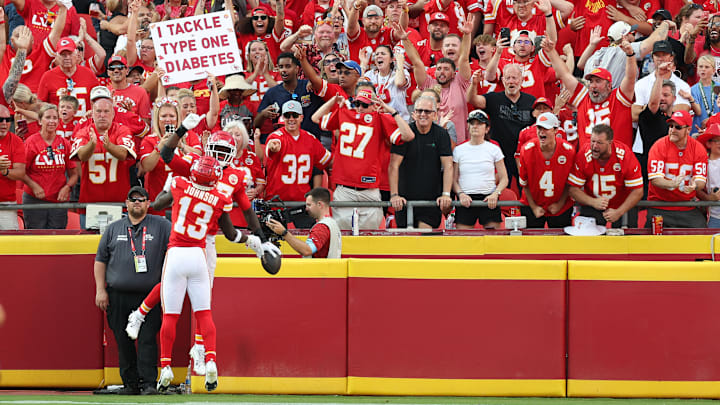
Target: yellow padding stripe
(290, 268)
(112, 375)
(49, 244)
(644, 389)
(419, 245)
(51, 378)
(273, 385)
(643, 271)
(639, 244)
(459, 269)
(464, 387)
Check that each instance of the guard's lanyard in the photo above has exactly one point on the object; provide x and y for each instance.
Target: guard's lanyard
(132, 243)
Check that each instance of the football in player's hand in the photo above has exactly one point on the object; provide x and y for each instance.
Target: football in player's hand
(271, 262)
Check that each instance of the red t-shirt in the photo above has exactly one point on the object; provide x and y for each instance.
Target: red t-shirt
(454, 11)
(289, 171)
(194, 212)
(40, 19)
(361, 40)
(66, 130)
(48, 173)
(12, 147)
(615, 111)
(261, 85)
(615, 179)
(250, 166)
(137, 97)
(54, 83)
(320, 236)
(665, 160)
(358, 149)
(485, 86)
(534, 71)
(154, 179)
(537, 24)
(270, 39)
(546, 179)
(36, 63)
(105, 178)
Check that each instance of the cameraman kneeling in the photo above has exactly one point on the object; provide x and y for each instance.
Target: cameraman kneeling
(324, 240)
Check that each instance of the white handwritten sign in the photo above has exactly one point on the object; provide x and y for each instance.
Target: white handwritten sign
(188, 48)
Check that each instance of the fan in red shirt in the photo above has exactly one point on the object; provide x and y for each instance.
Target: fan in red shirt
(362, 130)
(598, 103)
(67, 107)
(606, 180)
(677, 166)
(258, 28)
(68, 78)
(39, 54)
(249, 164)
(41, 15)
(534, 67)
(48, 162)
(453, 9)
(106, 150)
(130, 97)
(371, 34)
(543, 167)
(291, 154)
(12, 168)
(540, 106)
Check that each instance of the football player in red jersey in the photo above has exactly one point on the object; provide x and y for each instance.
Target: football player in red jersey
(606, 180)
(598, 103)
(291, 154)
(677, 167)
(106, 150)
(362, 130)
(544, 167)
(199, 205)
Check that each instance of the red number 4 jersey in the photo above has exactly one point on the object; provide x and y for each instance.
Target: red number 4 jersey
(546, 179)
(613, 180)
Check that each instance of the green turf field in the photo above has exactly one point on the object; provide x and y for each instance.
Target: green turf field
(70, 399)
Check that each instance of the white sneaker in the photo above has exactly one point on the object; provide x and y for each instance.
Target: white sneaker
(135, 320)
(197, 353)
(211, 377)
(166, 376)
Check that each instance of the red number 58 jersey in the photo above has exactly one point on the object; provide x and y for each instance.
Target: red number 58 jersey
(665, 160)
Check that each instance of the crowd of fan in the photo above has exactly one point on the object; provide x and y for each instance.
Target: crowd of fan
(596, 104)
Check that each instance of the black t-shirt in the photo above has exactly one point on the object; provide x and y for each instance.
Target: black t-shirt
(652, 127)
(421, 171)
(507, 119)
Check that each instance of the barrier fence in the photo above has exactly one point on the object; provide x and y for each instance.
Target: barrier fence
(400, 327)
(380, 204)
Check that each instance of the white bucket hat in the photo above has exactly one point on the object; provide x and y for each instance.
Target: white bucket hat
(585, 226)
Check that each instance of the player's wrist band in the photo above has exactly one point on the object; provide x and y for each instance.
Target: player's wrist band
(238, 237)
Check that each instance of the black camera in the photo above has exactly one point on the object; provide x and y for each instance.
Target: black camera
(265, 212)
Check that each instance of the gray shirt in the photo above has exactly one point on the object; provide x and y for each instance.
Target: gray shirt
(115, 250)
(613, 59)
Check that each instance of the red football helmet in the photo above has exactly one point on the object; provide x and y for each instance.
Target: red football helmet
(205, 172)
(221, 146)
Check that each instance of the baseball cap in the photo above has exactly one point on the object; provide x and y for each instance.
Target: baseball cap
(350, 64)
(523, 34)
(292, 106)
(547, 120)
(99, 92)
(543, 100)
(663, 46)
(136, 67)
(681, 117)
(601, 73)
(66, 44)
(478, 115)
(712, 131)
(117, 59)
(439, 17)
(259, 11)
(364, 96)
(375, 10)
(620, 29)
(138, 190)
(662, 13)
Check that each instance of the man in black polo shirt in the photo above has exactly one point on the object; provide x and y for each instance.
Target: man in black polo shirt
(652, 120)
(422, 169)
(128, 264)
